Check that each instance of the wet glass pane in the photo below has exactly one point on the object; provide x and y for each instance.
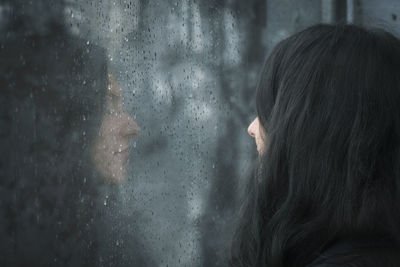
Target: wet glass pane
(125, 123)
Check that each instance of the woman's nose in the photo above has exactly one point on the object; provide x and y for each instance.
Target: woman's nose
(251, 129)
(129, 127)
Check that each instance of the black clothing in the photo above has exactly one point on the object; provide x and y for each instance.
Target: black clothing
(359, 253)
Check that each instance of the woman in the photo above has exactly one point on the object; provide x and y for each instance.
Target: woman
(327, 189)
(61, 119)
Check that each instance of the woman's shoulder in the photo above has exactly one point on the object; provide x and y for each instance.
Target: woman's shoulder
(371, 253)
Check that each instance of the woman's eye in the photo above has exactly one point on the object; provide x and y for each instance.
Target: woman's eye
(115, 99)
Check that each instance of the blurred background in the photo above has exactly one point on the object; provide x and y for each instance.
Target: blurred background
(188, 70)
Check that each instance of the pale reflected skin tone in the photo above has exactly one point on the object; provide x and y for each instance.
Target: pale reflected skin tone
(255, 130)
(111, 148)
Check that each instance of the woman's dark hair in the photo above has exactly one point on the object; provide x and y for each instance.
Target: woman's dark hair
(53, 88)
(329, 102)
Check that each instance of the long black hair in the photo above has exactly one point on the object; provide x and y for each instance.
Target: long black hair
(329, 102)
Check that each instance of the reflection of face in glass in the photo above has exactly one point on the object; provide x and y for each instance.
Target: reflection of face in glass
(112, 147)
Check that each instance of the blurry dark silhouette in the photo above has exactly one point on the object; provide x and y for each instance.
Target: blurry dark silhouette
(53, 88)
(53, 100)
